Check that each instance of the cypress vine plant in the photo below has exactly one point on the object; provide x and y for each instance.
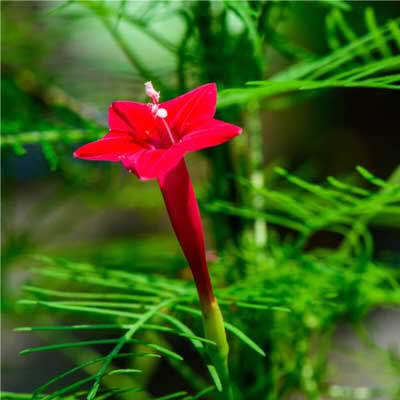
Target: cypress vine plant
(128, 325)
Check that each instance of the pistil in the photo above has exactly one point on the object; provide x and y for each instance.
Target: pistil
(170, 135)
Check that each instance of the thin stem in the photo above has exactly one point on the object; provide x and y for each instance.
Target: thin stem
(256, 155)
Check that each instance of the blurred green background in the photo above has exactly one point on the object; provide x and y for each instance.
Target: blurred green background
(63, 63)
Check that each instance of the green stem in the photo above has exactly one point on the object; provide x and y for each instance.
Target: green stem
(256, 159)
(214, 330)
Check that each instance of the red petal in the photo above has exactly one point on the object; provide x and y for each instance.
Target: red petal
(208, 134)
(184, 214)
(191, 109)
(149, 164)
(136, 118)
(111, 147)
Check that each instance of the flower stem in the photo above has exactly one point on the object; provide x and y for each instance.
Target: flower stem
(214, 330)
(184, 214)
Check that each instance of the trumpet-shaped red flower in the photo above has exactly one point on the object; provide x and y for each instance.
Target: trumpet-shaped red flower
(151, 140)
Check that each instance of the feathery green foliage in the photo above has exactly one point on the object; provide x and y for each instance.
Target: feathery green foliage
(289, 286)
(365, 62)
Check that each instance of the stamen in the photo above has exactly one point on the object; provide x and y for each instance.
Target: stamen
(161, 113)
(156, 111)
(154, 108)
(151, 92)
(171, 137)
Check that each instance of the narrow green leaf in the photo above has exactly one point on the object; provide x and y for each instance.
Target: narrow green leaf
(17, 146)
(215, 377)
(106, 304)
(172, 396)
(395, 30)
(183, 328)
(162, 349)
(350, 188)
(159, 348)
(117, 391)
(349, 34)
(153, 327)
(202, 393)
(245, 339)
(343, 5)
(124, 371)
(73, 327)
(331, 196)
(49, 154)
(59, 7)
(223, 207)
(354, 75)
(148, 280)
(374, 28)
(107, 282)
(68, 388)
(77, 295)
(15, 396)
(91, 310)
(233, 329)
(332, 39)
(261, 306)
(370, 177)
(67, 345)
(42, 388)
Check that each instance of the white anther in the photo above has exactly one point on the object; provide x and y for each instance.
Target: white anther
(161, 113)
(151, 92)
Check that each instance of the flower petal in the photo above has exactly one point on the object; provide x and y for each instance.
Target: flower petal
(149, 164)
(136, 118)
(209, 134)
(191, 109)
(111, 147)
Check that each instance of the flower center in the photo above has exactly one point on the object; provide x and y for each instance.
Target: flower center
(156, 110)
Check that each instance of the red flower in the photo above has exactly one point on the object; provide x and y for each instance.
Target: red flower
(150, 139)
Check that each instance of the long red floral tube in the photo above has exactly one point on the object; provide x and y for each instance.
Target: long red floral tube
(150, 140)
(181, 204)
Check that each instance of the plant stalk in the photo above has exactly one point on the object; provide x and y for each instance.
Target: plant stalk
(256, 159)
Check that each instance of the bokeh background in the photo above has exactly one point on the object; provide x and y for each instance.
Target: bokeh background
(63, 63)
